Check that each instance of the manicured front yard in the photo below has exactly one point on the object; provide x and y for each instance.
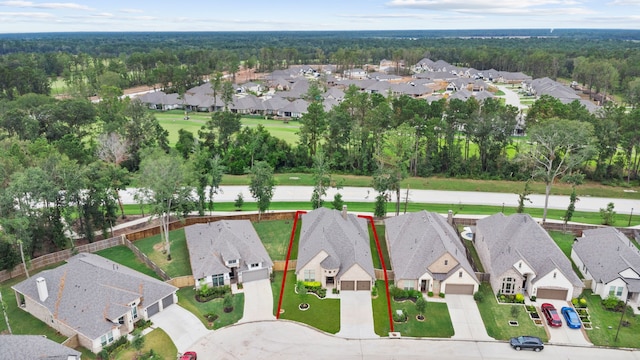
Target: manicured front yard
(187, 299)
(157, 340)
(496, 318)
(153, 247)
(605, 323)
(323, 314)
(123, 255)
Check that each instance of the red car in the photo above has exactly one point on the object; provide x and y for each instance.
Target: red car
(550, 312)
(189, 355)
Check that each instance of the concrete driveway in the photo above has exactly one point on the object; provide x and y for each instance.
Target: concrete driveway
(356, 315)
(181, 325)
(563, 334)
(466, 319)
(258, 301)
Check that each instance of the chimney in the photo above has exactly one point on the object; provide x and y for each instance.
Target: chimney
(450, 217)
(344, 212)
(41, 284)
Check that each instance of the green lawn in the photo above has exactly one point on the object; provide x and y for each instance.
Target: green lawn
(496, 318)
(380, 230)
(380, 310)
(157, 340)
(187, 299)
(474, 255)
(275, 236)
(179, 264)
(605, 324)
(123, 255)
(323, 314)
(437, 321)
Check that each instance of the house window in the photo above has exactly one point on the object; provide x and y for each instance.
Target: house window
(217, 280)
(520, 265)
(554, 275)
(619, 292)
(408, 284)
(446, 262)
(134, 311)
(310, 275)
(612, 290)
(508, 286)
(255, 265)
(232, 261)
(460, 274)
(107, 338)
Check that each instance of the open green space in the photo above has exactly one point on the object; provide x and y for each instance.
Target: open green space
(380, 230)
(174, 120)
(153, 247)
(437, 322)
(275, 235)
(124, 256)
(380, 310)
(187, 299)
(322, 314)
(496, 318)
(158, 340)
(605, 325)
(563, 240)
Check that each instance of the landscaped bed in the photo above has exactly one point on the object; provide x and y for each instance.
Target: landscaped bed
(206, 310)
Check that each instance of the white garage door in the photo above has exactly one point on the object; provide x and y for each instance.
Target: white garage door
(460, 289)
(557, 294)
(347, 285)
(253, 275)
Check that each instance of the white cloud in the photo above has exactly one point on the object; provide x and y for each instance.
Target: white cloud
(132, 11)
(625, 2)
(457, 5)
(30, 4)
(27, 15)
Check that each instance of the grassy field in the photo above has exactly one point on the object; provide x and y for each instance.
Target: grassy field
(437, 321)
(275, 236)
(179, 264)
(157, 340)
(496, 317)
(322, 314)
(173, 121)
(187, 299)
(605, 325)
(123, 255)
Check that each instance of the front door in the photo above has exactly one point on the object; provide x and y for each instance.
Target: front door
(424, 285)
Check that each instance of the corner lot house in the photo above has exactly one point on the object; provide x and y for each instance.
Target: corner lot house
(225, 252)
(426, 254)
(334, 250)
(522, 258)
(34, 347)
(610, 262)
(94, 298)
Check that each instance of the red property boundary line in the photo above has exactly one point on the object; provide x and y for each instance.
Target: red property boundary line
(286, 265)
(384, 267)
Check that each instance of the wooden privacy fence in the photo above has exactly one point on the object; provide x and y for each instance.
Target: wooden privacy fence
(56, 257)
(278, 265)
(179, 224)
(380, 274)
(145, 259)
(182, 281)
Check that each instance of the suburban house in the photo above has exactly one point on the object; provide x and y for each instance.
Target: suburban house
(610, 263)
(225, 252)
(521, 257)
(354, 74)
(334, 250)
(427, 254)
(35, 347)
(94, 298)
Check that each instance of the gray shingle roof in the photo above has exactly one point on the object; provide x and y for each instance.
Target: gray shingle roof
(34, 347)
(417, 240)
(518, 236)
(211, 244)
(90, 289)
(606, 252)
(346, 241)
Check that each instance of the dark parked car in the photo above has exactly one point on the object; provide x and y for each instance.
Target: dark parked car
(526, 342)
(571, 317)
(189, 355)
(550, 312)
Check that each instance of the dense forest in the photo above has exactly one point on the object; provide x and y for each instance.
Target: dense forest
(62, 160)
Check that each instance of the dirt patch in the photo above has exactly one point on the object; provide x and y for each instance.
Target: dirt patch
(159, 247)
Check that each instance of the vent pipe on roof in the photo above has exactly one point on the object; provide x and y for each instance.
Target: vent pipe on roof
(450, 217)
(344, 212)
(43, 293)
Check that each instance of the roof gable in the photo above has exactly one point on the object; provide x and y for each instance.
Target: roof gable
(607, 253)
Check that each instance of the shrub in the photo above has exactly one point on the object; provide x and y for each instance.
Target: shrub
(583, 302)
(515, 311)
(414, 294)
(477, 296)
(421, 305)
(519, 298)
(335, 291)
(374, 291)
(400, 317)
(322, 293)
(312, 284)
(611, 303)
(430, 294)
(227, 303)
(532, 298)
(441, 295)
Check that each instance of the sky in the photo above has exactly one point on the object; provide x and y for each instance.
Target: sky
(268, 15)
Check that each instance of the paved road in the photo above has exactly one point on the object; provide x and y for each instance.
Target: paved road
(454, 198)
(511, 97)
(282, 339)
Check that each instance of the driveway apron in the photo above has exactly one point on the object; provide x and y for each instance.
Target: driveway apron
(181, 325)
(356, 315)
(466, 319)
(258, 301)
